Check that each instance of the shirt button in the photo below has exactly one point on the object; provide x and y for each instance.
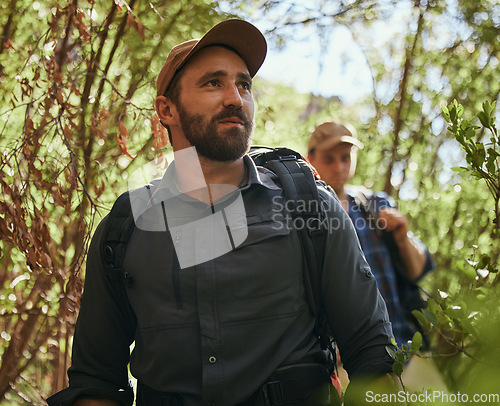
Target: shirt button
(212, 360)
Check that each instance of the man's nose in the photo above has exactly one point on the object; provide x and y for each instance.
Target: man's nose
(336, 166)
(232, 97)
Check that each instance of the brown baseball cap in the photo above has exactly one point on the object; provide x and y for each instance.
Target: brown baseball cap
(329, 134)
(241, 36)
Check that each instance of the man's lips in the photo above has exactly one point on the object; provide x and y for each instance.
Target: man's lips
(232, 121)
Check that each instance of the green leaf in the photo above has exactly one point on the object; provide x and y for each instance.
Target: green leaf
(459, 169)
(470, 133)
(484, 119)
(400, 357)
(420, 318)
(391, 351)
(433, 306)
(491, 164)
(493, 153)
(477, 174)
(489, 108)
(391, 379)
(483, 262)
(431, 317)
(446, 112)
(397, 369)
(416, 342)
(453, 112)
(481, 154)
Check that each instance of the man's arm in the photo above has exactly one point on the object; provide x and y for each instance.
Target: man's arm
(412, 253)
(354, 307)
(103, 333)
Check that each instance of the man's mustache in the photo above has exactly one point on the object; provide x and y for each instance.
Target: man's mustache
(239, 113)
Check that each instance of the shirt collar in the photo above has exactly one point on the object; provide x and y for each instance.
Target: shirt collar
(258, 175)
(165, 188)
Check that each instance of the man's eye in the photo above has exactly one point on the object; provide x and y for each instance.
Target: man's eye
(246, 85)
(213, 82)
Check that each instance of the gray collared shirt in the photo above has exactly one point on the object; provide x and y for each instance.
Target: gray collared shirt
(215, 331)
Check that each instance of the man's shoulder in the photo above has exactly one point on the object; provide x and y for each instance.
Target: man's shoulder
(361, 193)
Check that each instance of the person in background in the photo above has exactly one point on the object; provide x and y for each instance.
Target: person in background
(396, 257)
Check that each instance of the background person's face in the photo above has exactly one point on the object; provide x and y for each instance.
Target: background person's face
(334, 165)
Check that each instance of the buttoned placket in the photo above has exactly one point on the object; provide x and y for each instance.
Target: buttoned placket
(206, 284)
(208, 312)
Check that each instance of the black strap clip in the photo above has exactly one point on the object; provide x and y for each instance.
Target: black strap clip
(116, 273)
(273, 394)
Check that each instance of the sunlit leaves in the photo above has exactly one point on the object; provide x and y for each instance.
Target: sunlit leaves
(77, 95)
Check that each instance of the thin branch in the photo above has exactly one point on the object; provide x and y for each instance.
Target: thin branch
(398, 120)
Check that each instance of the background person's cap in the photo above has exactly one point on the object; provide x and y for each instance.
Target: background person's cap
(330, 134)
(241, 36)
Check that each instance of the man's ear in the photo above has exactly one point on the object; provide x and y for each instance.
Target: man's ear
(166, 110)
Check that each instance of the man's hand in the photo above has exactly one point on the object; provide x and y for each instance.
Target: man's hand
(394, 222)
(412, 253)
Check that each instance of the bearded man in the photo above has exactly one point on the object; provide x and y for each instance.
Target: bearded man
(217, 310)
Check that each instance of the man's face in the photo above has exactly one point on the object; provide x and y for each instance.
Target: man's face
(334, 165)
(216, 106)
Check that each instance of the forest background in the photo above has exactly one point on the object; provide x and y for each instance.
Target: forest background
(76, 121)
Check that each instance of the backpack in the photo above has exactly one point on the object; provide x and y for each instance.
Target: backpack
(300, 184)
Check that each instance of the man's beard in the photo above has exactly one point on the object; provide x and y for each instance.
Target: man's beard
(222, 146)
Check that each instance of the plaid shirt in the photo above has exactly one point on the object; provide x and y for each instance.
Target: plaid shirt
(378, 257)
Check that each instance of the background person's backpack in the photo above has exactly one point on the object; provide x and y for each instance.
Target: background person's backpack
(300, 185)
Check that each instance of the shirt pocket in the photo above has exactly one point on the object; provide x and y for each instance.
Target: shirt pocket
(268, 268)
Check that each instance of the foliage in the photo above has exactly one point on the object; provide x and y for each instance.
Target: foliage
(463, 325)
(402, 355)
(482, 158)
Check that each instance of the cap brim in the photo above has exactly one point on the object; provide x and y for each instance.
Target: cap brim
(239, 35)
(333, 142)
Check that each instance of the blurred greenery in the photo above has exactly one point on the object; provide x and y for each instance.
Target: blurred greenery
(76, 120)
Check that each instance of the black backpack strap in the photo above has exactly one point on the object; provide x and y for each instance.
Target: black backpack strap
(303, 199)
(118, 229)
